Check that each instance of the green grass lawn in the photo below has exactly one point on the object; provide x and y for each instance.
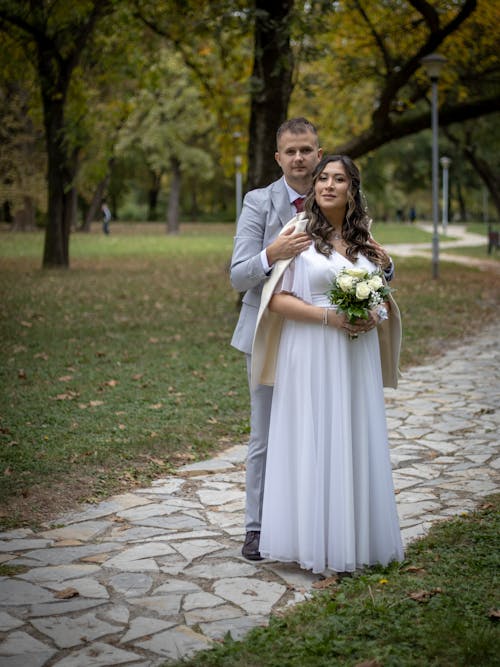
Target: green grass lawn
(120, 369)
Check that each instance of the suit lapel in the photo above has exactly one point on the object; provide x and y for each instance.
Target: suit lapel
(281, 202)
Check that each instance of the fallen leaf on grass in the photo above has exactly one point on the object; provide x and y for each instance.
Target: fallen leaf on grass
(41, 355)
(65, 378)
(137, 376)
(494, 614)
(67, 396)
(415, 569)
(325, 583)
(156, 406)
(7, 471)
(95, 404)
(110, 383)
(21, 374)
(153, 341)
(424, 596)
(66, 593)
(28, 325)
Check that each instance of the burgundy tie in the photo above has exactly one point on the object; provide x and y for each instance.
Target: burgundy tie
(299, 204)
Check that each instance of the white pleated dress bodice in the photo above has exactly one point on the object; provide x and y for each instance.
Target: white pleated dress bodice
(329, 498)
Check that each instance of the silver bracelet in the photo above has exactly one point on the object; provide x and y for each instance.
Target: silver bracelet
(325, 317)
(381, 311)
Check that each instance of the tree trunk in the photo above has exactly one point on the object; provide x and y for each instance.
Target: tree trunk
(271, 87)
(461, 203)
(173, 200)
(490, 179)
(153, 194)
(61, 166)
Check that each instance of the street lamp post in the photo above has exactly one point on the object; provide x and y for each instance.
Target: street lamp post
(433, 64)
(445, 163)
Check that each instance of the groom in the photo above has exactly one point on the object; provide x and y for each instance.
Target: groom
(257, 247)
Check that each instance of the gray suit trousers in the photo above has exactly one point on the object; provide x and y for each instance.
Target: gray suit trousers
(260, 413)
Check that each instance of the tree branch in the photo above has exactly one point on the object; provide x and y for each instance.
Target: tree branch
(374, 137)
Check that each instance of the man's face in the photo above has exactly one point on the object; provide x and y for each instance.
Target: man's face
(298, 155)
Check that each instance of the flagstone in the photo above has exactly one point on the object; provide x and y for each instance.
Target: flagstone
(24, 544)
(15, 593)
(98, 654)
(8, 622)
(131, 584)
(54, 573)
(201, 600)
(188, 535)
(206, 466)
(173, 522)
(118, 613)
(223, 519)
(5, 558)
(86, 587)
(220, 570)
(20, 649)
(146, 511)
(177, 586)
(176, 643)
(192, 549)
(139, 558)
(237, 628)
(219, 613)
(168, 486)
(254, 596)
(173, 565)
(63, 555)
(141, 626)
(211, 497)
(17, 533)
(293, 575)
(134, 533)
(82, 531)
(164, 605)
(69, 632)
(61, 607)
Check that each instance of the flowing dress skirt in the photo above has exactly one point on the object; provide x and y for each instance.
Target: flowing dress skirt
(329, 497)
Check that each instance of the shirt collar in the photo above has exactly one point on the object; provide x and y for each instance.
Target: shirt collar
(292, 194)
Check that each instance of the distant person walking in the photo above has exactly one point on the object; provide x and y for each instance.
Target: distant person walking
(412, 215)
(106, 217)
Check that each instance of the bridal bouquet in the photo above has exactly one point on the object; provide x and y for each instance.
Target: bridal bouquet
(356, 291)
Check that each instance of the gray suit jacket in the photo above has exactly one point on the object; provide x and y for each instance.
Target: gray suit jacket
(264, 213)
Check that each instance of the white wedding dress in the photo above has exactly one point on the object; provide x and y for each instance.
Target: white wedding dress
(329, 497)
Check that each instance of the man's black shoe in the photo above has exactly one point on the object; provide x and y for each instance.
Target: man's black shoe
(250, 549)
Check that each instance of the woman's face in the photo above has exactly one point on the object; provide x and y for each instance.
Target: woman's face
(331, 188)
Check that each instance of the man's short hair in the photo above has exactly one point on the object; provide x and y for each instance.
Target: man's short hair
(295, 126)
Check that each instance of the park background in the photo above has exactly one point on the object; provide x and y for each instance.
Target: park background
(117, 369)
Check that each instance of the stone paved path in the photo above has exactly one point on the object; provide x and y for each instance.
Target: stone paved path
(156, 574)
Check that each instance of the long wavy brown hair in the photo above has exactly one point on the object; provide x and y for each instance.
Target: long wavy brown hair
(356, 224)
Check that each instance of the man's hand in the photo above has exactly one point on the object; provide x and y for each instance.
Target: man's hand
(287, 245)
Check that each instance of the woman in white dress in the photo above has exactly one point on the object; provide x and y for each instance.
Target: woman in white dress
(329, 498)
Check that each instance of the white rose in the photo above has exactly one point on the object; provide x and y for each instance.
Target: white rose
(345, 282)
(375, 283)
(363, 290)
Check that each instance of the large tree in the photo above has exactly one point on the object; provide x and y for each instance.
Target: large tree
(54, 37)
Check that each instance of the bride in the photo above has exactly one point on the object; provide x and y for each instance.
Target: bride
(329, 498)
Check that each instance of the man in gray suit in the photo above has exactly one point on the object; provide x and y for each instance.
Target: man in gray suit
(257, 246)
